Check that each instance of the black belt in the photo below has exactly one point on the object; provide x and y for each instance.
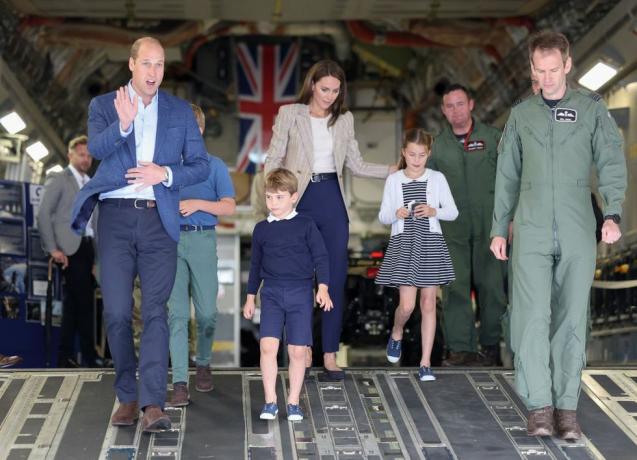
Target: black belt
(320, 177)
(136, 203)
(195, 228)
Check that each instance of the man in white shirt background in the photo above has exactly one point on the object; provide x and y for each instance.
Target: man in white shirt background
(74, 253)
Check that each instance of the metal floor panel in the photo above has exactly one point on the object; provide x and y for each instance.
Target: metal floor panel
(380, 413)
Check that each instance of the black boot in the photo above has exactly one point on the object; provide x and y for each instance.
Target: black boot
(491, 356)
(460, 358)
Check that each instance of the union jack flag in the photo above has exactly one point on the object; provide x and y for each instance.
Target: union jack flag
(267, 77)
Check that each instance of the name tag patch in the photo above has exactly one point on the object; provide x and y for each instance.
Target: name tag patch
(475, 145)
(565, 115)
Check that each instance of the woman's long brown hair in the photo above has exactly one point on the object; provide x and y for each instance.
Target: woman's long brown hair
(325, 68)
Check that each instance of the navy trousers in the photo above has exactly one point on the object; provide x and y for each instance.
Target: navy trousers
(130, 242)
(324, 203)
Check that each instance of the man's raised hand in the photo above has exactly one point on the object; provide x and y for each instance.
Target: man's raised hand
(126, 109)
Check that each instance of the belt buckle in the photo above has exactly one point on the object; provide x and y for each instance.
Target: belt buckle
(139, 207)
(315, 178)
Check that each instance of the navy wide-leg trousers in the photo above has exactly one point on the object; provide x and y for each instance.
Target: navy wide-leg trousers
(324, 203)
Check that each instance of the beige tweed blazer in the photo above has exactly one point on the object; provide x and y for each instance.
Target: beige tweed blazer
(291, 147)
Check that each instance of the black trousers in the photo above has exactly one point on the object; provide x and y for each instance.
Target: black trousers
(78, 314)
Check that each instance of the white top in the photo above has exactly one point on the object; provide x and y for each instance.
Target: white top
(81, 180)
(323, 146)
(438, 196)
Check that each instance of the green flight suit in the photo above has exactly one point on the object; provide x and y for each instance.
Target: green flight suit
(544, 166)
(470, 170)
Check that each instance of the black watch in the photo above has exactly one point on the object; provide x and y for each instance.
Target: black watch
(614, 217)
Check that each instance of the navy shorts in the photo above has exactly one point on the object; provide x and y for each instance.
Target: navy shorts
(289, 306)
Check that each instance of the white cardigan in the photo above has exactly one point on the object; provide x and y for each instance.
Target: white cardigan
(438, 196)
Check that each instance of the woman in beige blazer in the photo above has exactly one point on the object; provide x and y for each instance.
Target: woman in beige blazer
(314, 139)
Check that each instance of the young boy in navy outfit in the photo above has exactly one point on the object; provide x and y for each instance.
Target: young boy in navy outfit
(287, 253)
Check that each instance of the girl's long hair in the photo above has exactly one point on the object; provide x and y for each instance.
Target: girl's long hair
(415, 136)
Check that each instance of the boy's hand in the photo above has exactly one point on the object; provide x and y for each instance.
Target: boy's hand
(248, 308)
(188, 207)
(323, 298)
(402, 213)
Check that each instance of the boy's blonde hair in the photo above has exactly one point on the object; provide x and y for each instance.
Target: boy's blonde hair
(199, 116)
(281, 180)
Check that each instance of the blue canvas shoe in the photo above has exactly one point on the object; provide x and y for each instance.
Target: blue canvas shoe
(425, 374)
(295, 413)
(269, 411)
(393, 350)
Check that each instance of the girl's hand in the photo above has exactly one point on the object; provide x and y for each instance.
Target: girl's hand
(422, 210)
(402, 213)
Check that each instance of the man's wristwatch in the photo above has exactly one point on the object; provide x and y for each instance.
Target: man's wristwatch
(614, 217)
(166, 177)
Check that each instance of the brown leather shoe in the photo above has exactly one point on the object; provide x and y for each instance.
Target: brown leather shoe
(155, 420)
(203, 379)
(567, 426)
(540, 422)
(8, 361)
(180, 396)
(461, 358)
(126, 414)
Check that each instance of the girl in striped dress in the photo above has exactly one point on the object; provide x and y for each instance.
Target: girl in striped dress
(414, 200)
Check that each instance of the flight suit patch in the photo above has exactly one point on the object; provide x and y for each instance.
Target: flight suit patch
(565, 115)
(474, 145)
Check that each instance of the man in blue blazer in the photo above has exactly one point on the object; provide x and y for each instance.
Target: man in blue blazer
(149, 146)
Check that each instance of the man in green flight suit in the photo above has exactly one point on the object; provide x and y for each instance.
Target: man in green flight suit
(465, 151)
(549, 146)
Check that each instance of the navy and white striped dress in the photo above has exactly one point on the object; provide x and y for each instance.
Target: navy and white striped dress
(416, 257)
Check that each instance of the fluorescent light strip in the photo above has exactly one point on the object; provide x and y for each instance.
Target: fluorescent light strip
(37, 151)
(13, 123)
(597, 76)
(54, 169)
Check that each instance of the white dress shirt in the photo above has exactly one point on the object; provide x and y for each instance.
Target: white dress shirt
(272, 218)
(145, 125)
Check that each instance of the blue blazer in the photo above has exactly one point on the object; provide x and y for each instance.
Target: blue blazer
(178, 145)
